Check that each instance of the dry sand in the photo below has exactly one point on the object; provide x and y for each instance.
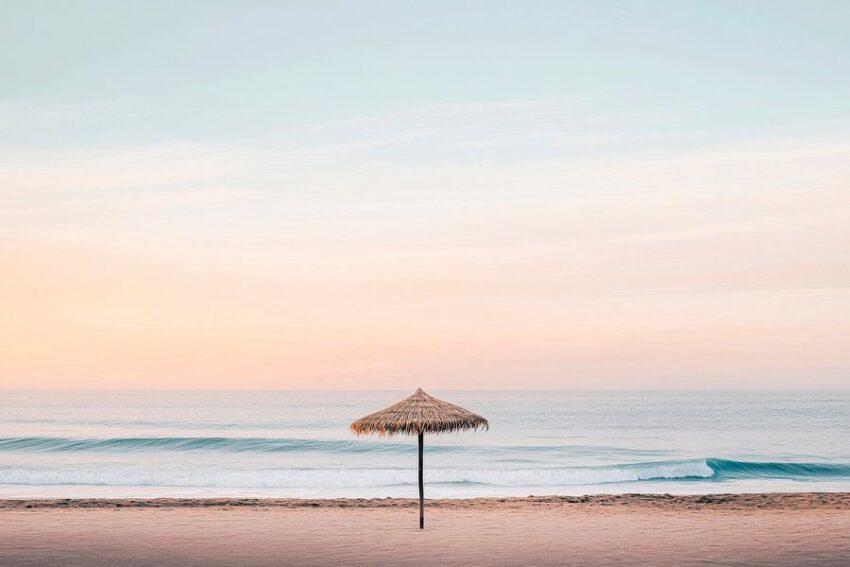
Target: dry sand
(755, 529)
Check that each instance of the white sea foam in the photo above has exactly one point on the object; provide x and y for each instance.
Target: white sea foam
(349, 478)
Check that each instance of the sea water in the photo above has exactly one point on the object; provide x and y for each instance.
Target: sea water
(297, 444)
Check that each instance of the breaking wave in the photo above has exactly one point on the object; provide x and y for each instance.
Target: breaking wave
(39, 464)
(708, 469)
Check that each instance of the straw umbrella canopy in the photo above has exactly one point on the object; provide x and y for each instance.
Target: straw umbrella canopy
(417, 415)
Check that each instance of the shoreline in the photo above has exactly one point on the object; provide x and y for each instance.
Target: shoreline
(725, 501)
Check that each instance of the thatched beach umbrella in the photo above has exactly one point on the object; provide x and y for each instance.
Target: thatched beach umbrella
(417, 415)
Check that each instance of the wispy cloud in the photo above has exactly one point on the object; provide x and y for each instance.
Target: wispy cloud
(42, 114)
(612, 261)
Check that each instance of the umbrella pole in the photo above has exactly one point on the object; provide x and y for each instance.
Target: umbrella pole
(421, 485)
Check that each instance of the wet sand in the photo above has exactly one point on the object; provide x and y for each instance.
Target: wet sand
(749, 529)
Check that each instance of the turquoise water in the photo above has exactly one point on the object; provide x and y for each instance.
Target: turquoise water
(298, 444)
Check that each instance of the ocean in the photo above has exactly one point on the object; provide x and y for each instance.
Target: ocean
(297, 444)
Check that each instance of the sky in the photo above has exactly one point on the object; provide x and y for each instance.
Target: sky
(453, 195)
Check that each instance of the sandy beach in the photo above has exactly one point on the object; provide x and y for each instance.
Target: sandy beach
(744, 529)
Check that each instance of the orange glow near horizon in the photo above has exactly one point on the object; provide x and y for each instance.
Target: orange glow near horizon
(722, 268)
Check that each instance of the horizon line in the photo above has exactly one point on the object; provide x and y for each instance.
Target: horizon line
(108, 389)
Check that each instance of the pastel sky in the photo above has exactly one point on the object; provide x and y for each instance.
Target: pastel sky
(252, 194)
